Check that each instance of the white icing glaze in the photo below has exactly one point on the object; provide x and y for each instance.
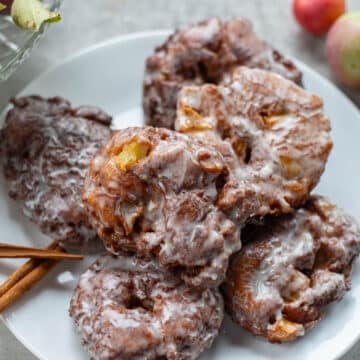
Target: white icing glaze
(169, 319)
(207, 52)
(292, 267)
(205, 32)
(172, 195)
(46, 151)
(283, 127)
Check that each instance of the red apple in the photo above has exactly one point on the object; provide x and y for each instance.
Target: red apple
(343, 49)
(317, 16)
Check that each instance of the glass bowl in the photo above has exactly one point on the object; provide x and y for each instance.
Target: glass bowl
(16, 44)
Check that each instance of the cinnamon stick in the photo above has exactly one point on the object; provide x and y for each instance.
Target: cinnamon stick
(26, 283)
(23, 270)
(14, 253)
(28, 275)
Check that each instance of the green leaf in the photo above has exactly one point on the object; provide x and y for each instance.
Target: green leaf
(31, 14)
(2, 7)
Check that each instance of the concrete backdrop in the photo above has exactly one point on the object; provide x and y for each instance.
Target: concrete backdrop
(87, 22)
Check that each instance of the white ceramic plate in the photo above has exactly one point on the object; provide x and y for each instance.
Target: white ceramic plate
(110, 75)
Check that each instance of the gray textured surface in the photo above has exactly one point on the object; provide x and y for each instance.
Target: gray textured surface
(95, 20)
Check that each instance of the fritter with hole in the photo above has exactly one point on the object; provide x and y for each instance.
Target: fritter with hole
(129, 308)
(279, 135)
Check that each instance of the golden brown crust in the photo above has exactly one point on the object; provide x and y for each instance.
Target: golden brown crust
(46, 147)
(290, 268)
(278, 136)
(130, 308)
(163, 204)
(206, 52)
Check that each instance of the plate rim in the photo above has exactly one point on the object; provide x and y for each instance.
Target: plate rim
(149, 34)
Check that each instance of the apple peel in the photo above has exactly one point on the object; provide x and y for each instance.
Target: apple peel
(343, 50)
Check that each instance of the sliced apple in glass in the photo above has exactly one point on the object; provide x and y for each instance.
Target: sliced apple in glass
(31, 14)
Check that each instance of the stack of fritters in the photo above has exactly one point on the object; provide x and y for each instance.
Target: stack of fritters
(173, 207)
(252, 148)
